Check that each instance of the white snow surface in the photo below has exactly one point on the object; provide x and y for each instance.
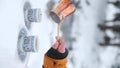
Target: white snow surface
(86, 52)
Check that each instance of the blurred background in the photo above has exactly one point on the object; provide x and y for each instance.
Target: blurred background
(91, 33)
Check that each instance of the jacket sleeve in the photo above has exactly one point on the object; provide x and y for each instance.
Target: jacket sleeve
(55, 59)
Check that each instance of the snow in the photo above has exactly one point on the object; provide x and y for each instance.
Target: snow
(86, 53)
(10, 21)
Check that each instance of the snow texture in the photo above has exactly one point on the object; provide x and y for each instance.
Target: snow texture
(79, 30)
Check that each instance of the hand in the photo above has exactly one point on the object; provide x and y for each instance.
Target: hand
(59, 45)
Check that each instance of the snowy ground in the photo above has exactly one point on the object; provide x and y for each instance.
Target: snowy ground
(86, 52)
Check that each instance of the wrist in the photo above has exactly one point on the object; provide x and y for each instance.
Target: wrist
(55, 54)
(61, 50)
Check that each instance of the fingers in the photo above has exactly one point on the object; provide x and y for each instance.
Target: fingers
(62, 46)
(61, 41)
(55, 46)
(59, 45)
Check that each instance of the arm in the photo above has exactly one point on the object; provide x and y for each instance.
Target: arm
(56, 56)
